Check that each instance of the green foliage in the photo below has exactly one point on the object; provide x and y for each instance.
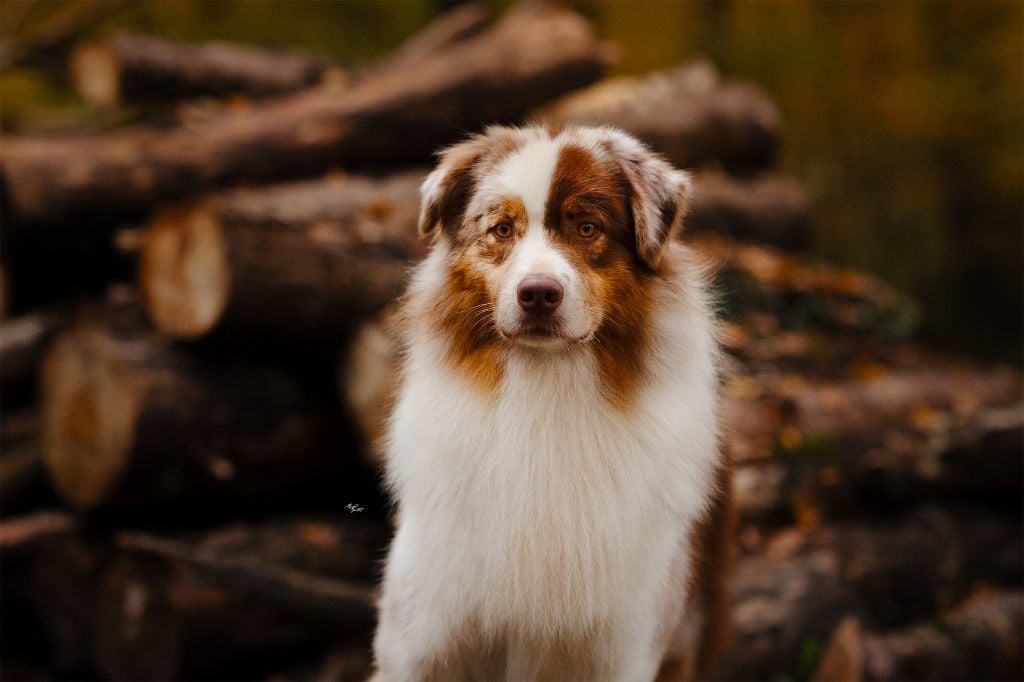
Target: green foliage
(813, 449)
(810, 652)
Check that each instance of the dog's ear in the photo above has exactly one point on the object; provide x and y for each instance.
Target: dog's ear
(446, 191)
(659, 194)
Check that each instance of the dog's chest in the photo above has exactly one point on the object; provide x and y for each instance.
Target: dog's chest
(544, 503)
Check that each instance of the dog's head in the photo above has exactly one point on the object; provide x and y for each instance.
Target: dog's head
(549, 234)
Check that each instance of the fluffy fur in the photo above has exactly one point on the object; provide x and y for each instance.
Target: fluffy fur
(562, 497)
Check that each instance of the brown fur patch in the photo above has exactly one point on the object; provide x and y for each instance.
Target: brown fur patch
(491, 248)
(715, 549)
(465, 313)
(462, 165)
(449, 208)
(586, 189)
(707, 593)
(471, 655)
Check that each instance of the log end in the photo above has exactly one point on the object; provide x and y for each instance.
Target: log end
(89, 416)
(184, 273)
(95, 73)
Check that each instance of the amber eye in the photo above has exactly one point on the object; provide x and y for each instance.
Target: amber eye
(588, 230)
(502, 230)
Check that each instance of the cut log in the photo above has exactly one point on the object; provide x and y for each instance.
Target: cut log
(768, 209)
(235, 599)
(136, 67)
(948, 433)
(686, 114)
(296, 263)
(136, 421)
(792, 594)
(980, 640)
(533, 53)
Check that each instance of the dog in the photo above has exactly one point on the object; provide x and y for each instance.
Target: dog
(553, 449)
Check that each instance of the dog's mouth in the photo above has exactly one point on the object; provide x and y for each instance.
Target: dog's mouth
(540, 334)
(540, 330)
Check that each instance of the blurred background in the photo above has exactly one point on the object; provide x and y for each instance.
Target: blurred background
(206, 206)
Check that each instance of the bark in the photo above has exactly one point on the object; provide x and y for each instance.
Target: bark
(136, 67)
(792, 594)
(686, 114)
(136, 421)
(533, 53)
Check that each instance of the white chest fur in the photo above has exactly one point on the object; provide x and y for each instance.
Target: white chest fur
(545, 510)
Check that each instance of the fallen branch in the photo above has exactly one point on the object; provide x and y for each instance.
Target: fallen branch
(234, 598)
(277, 584)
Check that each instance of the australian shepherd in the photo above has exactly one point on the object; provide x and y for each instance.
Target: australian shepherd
(564, 506)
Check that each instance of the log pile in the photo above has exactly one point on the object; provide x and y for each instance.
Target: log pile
(199, 360)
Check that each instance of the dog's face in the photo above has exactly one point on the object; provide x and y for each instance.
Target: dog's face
(550, 234)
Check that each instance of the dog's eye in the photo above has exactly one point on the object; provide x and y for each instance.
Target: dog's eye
(587, 230)
(502, 230)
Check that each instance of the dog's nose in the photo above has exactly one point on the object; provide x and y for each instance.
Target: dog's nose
(539, 294)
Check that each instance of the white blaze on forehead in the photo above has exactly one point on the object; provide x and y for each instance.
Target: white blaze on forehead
(527, 174)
